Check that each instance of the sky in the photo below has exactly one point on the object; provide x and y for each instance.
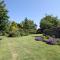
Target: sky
(32, 9)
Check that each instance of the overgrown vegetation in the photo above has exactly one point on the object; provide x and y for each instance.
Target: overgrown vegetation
(50, 25)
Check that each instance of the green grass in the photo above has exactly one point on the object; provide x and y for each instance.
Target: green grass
(26, 48)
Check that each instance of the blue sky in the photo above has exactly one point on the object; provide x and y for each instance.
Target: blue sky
(32, 9)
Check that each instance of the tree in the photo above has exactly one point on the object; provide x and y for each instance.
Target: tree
(25, 24)
(13, 31)
(54, 32)
(3, 17)
(32, 26)
(13, 27)
(29, 26)
(50, 25)
(48, 22)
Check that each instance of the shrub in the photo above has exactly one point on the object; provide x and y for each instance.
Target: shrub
(38, 38)
(23, 32)
(54, 32)
(48, 40)
(14, 34)
(3, 33)
(46, 37)
(58, 41)
(11, 34)
(51, 41)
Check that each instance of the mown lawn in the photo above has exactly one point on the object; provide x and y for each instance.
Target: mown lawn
(26, 48)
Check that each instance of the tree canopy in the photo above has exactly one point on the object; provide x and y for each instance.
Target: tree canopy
(50, 26)
(48, 22)
(29, 25)
(3, 16)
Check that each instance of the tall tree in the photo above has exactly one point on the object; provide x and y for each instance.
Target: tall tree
(29, 25)
(25, 24)
(48, 22)
(3, 16)
(50, 25)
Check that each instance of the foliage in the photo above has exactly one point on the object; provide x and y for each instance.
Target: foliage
(23, 32)
(3, 17)
(48, 22)
(54, 32)
(51, 41)
(46, 37)
(13, 31)
(48, 40)
(38, 38)
(13, 34)
(39, 31)
(50, 26)
(58, 41)
(25, 28)
(13, 26)
(29, 26)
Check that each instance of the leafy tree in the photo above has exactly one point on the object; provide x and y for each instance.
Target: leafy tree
(13, 26)
(29, 26)
(3, 17)
(48, 22)
(50, 26)
(32, 26)
(13, 31)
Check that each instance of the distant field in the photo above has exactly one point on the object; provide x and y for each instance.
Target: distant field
(26, 48)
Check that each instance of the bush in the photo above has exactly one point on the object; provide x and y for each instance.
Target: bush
(58, 41)
(54, 32)
(14, 34)
(23, 32)
(48, 32)
(20, 32)
(50, 41)
(46, 37)
(11, 34)
(3, 33)
(38, 38)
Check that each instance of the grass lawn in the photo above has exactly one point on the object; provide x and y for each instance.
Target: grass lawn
(26, 48)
